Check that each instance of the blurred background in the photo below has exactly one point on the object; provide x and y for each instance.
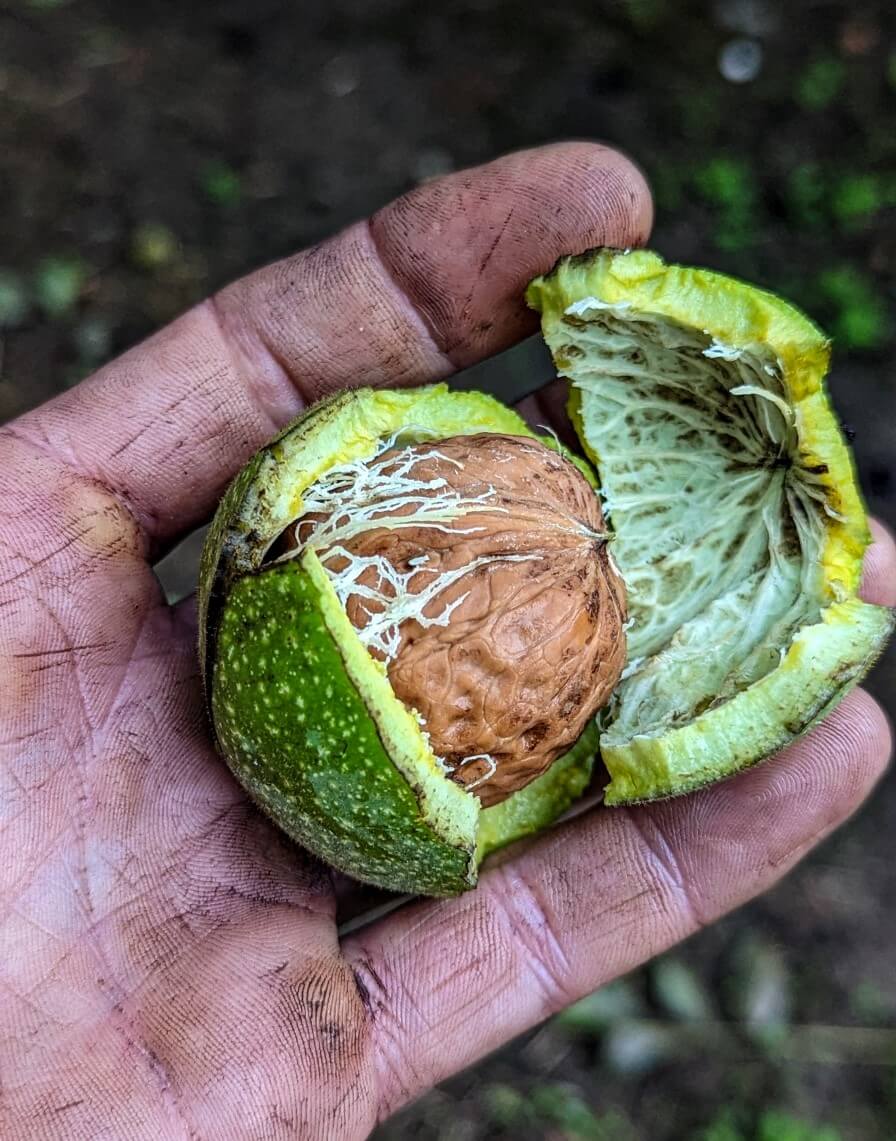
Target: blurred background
(151, 151)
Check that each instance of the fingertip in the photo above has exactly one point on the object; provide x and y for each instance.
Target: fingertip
(834, 767)
(879, 571)
(851, 748)
(613, 189)
(463, 248)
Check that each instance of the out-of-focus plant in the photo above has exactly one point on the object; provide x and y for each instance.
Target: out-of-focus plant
(222, 185)
(805, 197)
(772, 1125)
(856, 199)
(58, 282)
(153, 246)
(759, 989)
(729, 186)
(859, 315)
(617, 1001)
(14, 303)
(820, 83)
(679, 991)
(556, 1105)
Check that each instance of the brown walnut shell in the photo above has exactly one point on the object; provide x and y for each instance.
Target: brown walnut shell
(536, 645)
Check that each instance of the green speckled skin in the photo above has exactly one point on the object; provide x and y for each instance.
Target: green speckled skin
(301, 740)
(237, 539)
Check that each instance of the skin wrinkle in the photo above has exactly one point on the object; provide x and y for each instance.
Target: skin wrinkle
(662, 855)
(427, 331)
(124, 1024)
(531, 925)
(132, 531)
(121, 1017)
(467, 307)
(19, 432)
(251, 357)
(343, 283)
(82, 802)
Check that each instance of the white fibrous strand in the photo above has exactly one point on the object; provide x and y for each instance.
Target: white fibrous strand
(718, 350)
(382, 632)
(590, 304)
(369, 494)
(763, 393)
(487, 775)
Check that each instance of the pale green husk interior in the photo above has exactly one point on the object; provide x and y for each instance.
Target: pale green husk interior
(719, 531)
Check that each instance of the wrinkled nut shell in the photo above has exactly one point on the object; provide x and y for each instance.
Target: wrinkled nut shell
(536, 645)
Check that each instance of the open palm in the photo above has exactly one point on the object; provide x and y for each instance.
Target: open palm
(170, 964)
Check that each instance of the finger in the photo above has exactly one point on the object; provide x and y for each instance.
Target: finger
(445, 983)
(879, 576)
(430, 283)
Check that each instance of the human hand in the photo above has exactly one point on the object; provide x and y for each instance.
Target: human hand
(171, 965)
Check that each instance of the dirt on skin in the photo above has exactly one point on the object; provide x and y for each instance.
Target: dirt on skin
(153, 151)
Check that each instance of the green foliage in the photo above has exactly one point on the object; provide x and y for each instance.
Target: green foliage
(774, 1126)
(57, 285)
(726, 182)
(820, 83)
(729, 186)
(14, 303)
(852, 201)
(860, 315)
(506, 1106)
(222, 184)
(617, 1001)
(856, 198)
(805, 196)
(561, 1106)
(868, 1002)
(639, 1047)
(771, 1126)
(723, 1128)
(679, 990)
(645, 14)
(553, 1104)
(667, 184)
(759, 990)
(153, 246)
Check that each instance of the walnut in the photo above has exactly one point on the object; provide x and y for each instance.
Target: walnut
(477, 568)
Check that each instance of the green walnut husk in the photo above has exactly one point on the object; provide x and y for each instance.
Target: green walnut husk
(739, 532)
